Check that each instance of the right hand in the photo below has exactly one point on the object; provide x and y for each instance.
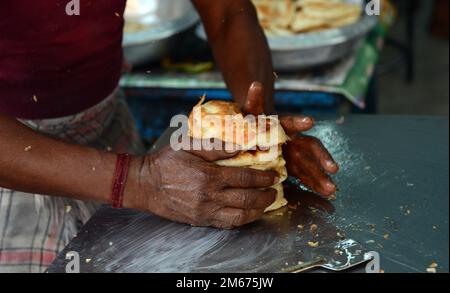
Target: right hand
(188, 188)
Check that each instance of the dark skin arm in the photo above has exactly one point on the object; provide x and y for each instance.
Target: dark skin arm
(241, 51)
(199, 193)
(32, 162)
(217, 196)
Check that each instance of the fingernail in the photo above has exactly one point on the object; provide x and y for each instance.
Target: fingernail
(276, 180)
(331, 164)
(305, 119)
(330, 186)
(308, 120)
(255, 84)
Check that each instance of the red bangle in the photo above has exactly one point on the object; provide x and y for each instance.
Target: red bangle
(119, 180)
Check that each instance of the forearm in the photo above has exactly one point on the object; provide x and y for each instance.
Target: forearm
(239, 46)
(34, 163)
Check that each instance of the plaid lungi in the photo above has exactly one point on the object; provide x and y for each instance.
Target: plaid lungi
(34, 228)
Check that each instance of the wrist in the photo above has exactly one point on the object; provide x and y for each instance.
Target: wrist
(133, 198)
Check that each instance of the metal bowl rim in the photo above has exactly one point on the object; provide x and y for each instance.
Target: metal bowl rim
(313, 40)
(162, 30)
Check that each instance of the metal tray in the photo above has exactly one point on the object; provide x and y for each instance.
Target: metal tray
(163, 20)
(316, 48)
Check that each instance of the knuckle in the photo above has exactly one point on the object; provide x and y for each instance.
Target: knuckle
(244, 177)
(207, 175)
(238, 218)
(200, 199)
(246, 199)
(196, 217)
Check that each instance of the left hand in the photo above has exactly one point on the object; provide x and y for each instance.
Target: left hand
(306, 157)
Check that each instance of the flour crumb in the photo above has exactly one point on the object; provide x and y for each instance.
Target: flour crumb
(341, 120)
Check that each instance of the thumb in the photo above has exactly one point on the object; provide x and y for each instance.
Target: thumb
(254, 103)
(212, 150)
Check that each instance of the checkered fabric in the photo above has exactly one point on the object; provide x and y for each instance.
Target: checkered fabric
(34, 228)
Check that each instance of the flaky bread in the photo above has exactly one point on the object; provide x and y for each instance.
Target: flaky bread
(261, 146)
(223, 121)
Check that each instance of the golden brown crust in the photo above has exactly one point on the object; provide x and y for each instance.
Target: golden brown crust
(289, 17)
(267, 153)
(223, 120)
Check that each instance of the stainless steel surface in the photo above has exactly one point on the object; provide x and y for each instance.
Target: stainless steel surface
(162, 21)
(393, 199)
(139, 242)
(282, 241)
(316, 48)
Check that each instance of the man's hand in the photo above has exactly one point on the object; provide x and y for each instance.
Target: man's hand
(306, 157)
(188, 188)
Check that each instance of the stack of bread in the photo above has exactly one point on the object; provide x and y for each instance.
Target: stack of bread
(259, 139)
(290, 17)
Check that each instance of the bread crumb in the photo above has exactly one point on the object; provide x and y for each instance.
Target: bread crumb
(28, 148)
(68, 208)
(381, 271)
(386, 236)
(88, 260)
(93, 169)
(313, 228)
(332, 197)
(433, 265)
(431, 270)
(117, 14)
(313, 244)
(35, 98)
(301, 227)
(341, 120)
(110, 243)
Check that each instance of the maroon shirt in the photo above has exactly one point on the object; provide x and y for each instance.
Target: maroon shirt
(68, 63)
